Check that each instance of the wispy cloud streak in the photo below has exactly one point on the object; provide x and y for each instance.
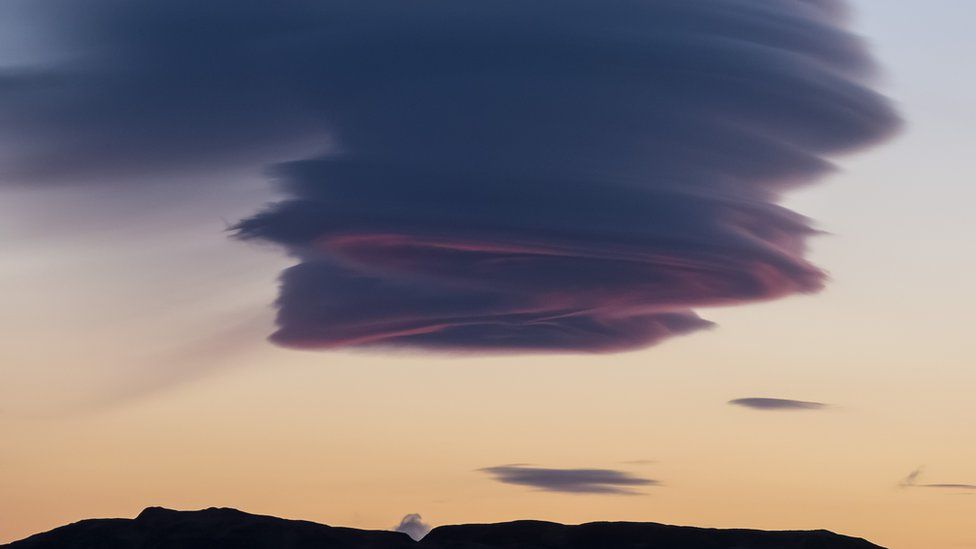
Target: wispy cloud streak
(911, 481)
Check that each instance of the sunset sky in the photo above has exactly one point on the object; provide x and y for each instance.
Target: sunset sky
(136, 370)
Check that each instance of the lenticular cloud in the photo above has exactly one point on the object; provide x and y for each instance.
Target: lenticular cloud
(566, 176)
(507, 175)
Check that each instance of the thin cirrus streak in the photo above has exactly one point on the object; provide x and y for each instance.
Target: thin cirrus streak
(911, 481)
(508, 176)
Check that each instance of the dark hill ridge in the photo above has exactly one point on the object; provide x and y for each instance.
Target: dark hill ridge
(213, 528)
(158, 528)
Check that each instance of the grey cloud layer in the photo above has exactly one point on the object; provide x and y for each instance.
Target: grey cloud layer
(508, 176)
(578, 481)
(777, 404)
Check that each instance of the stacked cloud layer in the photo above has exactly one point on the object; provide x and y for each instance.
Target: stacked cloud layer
(507, 176)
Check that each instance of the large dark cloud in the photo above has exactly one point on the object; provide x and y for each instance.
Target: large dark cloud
(556, 175)
(578, 481)
(777, 404)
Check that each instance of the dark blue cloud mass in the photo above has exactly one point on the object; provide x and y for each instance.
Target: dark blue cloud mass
(503, 176)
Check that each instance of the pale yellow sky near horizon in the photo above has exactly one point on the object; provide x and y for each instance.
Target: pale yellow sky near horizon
(127, 381)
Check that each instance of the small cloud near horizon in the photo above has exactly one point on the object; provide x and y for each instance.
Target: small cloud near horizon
(413, 526)
(575, 481)
(777, 404)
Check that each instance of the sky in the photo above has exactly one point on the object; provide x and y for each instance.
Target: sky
(135, 362)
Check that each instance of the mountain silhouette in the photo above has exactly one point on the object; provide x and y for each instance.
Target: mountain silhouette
(158, 528)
